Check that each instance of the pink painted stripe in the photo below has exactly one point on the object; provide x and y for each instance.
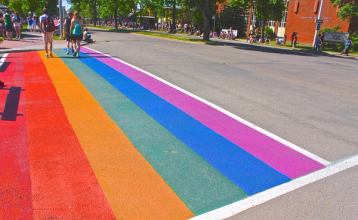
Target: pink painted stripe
(282, 158)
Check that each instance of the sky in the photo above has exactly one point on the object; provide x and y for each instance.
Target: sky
(67, 5)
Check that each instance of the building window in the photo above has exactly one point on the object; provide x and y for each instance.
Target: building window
(297, 5)
(271, 23)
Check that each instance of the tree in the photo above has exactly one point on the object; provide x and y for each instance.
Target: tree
(264, 10)
(88, 8)
(347, 8)
(23, 7)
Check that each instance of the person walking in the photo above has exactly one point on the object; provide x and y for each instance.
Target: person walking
(294, 39)
(17, 26)
(8, 25)
(34, 24)
(347, 46)
(317, 44)
(76, 31)
(47, 27)
(29, 22)
(67, 30)
(2, 25)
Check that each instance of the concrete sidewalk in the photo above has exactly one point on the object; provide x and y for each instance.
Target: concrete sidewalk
(29, 41)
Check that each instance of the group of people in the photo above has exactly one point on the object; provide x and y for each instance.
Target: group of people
(10, 24)
(32, 22)
(73, 32)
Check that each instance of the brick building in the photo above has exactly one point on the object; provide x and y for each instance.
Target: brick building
(302, 16)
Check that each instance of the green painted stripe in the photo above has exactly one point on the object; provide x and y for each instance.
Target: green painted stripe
(196, 182)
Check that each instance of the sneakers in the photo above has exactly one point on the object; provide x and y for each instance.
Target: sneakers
(76, 54)
(68, 52)
(47, 56)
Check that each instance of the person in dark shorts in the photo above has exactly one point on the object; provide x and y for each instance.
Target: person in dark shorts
(76, 33)
(67, 30)
(48, 29)
(8, 25)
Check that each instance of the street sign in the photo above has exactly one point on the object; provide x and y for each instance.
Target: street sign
(318, 26)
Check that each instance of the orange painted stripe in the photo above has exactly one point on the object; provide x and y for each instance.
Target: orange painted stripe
(15, 184)
(134, 189)
(63, 183)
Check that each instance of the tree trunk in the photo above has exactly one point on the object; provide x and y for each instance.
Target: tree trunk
(95, 12)
(206, 10)
(206, 30)
(173, 26)
(116, 16)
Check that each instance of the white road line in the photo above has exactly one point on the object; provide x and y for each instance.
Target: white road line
(243, 121)
(2, 60)
(237, 207)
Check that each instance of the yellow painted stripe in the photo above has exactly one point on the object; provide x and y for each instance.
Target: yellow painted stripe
(134, 189)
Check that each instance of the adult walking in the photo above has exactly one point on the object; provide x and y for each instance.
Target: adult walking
(34, 24)
(318, 44)
(294, 39)
(76, 31)
(17, 25)
(67, 30)
(8, 25)
(47, 26)
(2, 25)
(347, 46)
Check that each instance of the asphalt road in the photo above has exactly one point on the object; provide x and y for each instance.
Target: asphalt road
(312, 101)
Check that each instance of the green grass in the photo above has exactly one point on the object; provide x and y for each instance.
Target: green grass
(307, 47)
(155, 34)
(165, 35)
(173, 37)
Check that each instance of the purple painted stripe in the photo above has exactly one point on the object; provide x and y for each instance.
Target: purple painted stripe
(282, 158)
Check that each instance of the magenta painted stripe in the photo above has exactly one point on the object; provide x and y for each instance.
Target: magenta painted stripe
(282, 158)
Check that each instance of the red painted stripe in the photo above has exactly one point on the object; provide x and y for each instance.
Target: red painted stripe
(63, 183)
(15, 184)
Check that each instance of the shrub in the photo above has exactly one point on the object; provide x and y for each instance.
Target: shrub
(269, 32)
(354, 38)
(334, 29)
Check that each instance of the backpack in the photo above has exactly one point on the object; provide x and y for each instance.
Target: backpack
(49, 25)
(77, 30)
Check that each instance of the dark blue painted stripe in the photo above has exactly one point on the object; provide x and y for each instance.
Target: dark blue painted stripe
(246, 171)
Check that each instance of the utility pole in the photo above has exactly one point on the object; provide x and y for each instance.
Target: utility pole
(318, 22)
(61, 16)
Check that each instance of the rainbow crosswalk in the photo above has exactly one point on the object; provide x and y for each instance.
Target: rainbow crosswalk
(97, 138)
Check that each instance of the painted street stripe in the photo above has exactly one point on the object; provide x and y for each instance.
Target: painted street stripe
(3, 59)
(280, 154)
(63, 184)
(246, 171)
(240, 206)
(196, 182)
(134, 189)
(15, 183)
